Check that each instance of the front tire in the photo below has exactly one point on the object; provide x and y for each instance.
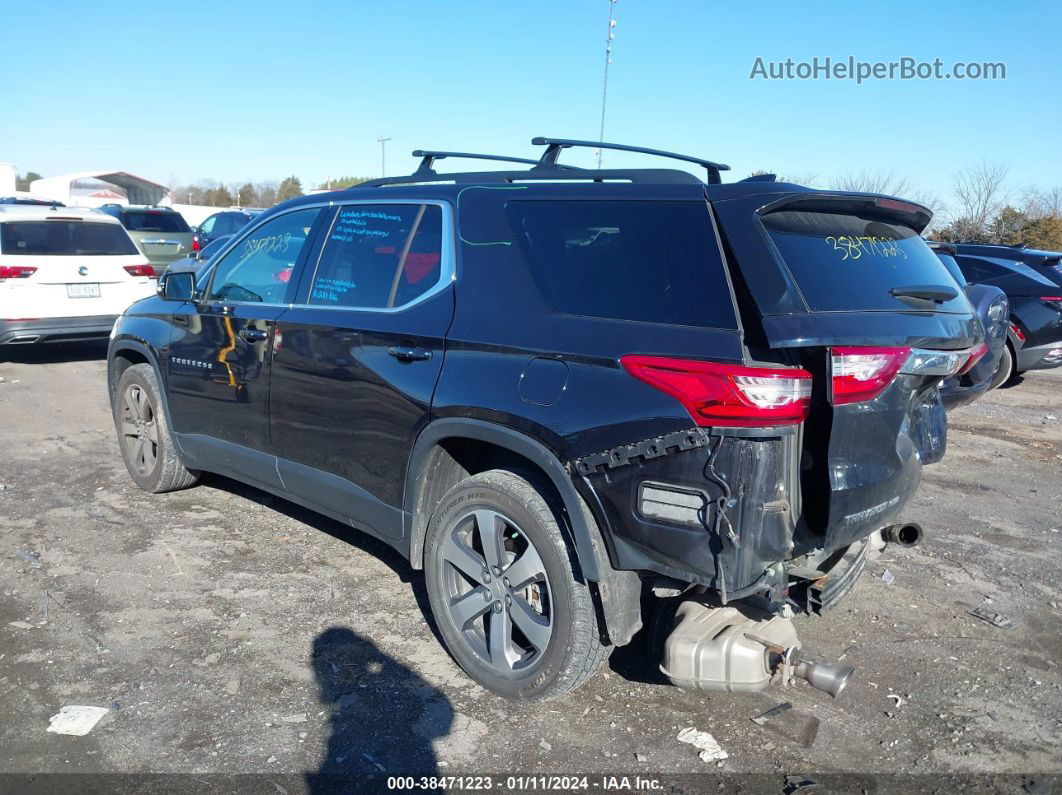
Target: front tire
(144, 436)
(506, 589)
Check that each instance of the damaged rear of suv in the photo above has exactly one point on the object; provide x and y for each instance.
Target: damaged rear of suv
(572, 388)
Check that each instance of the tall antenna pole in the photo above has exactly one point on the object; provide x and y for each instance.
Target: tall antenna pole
(608, 59)
(383, 157)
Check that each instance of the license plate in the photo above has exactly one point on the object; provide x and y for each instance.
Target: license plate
(82, 291)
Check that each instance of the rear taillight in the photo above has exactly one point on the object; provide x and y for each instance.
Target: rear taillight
(726, 394)
(141, 270)
(1017, 332)
(195, 243)
(977, 353)
(863, 373)
(16, 271)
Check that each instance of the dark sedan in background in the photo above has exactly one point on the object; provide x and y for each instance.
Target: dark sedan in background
(992, 308)
(221, 224)
(1032, 281)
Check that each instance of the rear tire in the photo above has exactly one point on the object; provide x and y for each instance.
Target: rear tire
(144, 435)
(1006, 370)
(506, 589)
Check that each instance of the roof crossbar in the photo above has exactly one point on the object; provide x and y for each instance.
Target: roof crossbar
(555, 145)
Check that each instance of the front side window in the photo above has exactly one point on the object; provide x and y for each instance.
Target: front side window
(64, 239)
(259, 267)
(379, 256)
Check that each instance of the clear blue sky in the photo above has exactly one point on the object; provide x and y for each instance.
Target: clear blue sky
(237, 91)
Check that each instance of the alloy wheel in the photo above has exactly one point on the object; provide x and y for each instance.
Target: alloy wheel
(496, 590)
(140, 433)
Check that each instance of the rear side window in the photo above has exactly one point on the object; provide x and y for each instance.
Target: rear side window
(154, 221)
(847, 261)
(379, 256)
(229, 224)
(64, 239)
(655, 262)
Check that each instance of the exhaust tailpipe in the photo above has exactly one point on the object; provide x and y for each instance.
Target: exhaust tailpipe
(830, 678)
(906, 535)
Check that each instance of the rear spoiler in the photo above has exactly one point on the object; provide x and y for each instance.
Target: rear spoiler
(888, 207)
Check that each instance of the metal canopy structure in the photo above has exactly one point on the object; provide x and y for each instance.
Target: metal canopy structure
(137, 189)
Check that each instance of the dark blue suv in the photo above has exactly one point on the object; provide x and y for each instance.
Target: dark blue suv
(557, 389)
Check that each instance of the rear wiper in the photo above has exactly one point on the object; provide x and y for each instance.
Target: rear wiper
(936, 293)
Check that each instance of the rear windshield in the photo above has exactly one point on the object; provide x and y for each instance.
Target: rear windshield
(64, 238)
(154, 221)
(656, 262)
(845, 261)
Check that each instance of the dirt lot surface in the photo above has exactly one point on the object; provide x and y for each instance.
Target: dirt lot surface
(227, 631)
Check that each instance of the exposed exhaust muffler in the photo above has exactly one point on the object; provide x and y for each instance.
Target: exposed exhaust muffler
(908, 534)
(741, 651)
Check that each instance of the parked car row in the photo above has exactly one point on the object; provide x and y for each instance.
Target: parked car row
(635, 383)
(66, 273)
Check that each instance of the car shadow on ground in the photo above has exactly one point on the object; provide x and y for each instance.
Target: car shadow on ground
(54, 354)
(383, 716)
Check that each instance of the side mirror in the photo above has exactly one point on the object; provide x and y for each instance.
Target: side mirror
(177, 286)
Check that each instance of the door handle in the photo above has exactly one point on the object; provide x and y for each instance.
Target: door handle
(253, 334)
(407, 354)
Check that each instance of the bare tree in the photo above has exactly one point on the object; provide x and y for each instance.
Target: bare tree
(981, 196)
(875, 182)
(1037, 203)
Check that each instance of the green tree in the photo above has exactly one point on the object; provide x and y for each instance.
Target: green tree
(1045, 233)
(218, 197)
(23, 182)
(248, 196)
(289, 189)
(342, 182)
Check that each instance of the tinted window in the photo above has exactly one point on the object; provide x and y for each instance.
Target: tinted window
(843, 261)
(379, 255)
(952, 266)
(64, 238)
(229, 223)
(154, 221)
(656, 262)
(259, 268)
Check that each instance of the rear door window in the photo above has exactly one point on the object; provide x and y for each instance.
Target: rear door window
(154, 221)
(64, 239)
(848, 261)
(654, 262)
(379, 256)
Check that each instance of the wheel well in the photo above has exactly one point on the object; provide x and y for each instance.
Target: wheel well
(450, 461)
(121, 361)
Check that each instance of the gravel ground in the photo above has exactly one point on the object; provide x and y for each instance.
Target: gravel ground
(230, 632)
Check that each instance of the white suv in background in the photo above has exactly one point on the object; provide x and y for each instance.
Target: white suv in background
(66, 273)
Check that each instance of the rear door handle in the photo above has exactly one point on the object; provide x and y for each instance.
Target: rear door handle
(407, 354)
(253, 334)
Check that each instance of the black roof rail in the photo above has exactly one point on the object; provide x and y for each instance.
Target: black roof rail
(547, 168)
(555, 145)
